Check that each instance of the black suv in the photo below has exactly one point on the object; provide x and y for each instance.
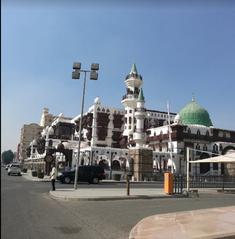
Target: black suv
(90, 174)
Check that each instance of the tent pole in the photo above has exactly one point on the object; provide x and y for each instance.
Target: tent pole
(187, 168)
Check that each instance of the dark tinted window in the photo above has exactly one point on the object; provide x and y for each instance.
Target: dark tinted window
(15, 165)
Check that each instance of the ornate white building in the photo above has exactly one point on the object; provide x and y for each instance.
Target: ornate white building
(108, 133)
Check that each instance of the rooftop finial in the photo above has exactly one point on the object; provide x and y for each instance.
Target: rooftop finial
(134, 69)
(193, 97)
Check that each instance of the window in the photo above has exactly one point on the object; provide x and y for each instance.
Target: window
(215, 148)
(204, 147)
(198, 132)
(50, 143)
(189, 131)
(130, 120)
(130, 111)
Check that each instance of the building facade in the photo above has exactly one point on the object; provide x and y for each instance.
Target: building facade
(108, 135)
(29, 132)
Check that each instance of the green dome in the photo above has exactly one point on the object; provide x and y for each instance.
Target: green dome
(193, 113)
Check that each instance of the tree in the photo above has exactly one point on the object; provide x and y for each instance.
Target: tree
(7, 156)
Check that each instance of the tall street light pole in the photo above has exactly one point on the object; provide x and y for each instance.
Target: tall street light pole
(76, 75)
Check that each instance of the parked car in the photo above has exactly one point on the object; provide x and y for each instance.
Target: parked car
(90, 174)
(14, 169)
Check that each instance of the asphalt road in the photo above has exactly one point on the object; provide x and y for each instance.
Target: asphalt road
(27, 212)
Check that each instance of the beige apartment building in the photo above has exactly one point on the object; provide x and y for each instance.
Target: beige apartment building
(29, 132)
(32, 131)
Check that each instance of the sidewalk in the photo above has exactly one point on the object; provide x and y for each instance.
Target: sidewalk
(98, 194)
(29, 176)
(204, 224)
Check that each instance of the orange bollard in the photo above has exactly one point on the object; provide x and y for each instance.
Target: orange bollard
(168, 183)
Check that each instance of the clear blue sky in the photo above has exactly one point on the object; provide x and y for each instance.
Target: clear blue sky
(179, 49)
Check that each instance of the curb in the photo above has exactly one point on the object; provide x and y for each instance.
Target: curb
(113, 198)
(34, 179)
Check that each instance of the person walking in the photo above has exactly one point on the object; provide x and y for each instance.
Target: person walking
(53, 177)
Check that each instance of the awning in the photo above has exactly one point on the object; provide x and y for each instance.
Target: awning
(227, 158)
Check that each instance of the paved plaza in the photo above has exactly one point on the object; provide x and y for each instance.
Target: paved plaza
(205, 223)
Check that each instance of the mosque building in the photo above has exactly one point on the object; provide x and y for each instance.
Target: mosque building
(109, 133)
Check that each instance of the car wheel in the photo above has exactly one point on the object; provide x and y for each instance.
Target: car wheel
(67, 180)
(95, 180)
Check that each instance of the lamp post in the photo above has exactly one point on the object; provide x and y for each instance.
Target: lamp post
(111, 164)
(76, 75)
(169, 135)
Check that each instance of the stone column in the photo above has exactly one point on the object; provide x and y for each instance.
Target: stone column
(143, 163)
(219, 169)
(211, 169)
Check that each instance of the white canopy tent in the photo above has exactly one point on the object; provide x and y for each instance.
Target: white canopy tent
(227, 158)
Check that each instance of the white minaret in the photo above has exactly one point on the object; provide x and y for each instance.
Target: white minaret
(133, 83)
(140, 136)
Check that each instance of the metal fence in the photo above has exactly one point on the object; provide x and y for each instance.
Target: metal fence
(220, 182)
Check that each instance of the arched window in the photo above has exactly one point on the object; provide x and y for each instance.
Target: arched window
(198, 146)
(198, 132)
(204, 147)
(104, 164)
(116, 165)
(207, 133)
(189, 131)
(130, 120)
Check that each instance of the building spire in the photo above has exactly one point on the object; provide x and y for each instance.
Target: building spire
(141, 95)
(134, 69)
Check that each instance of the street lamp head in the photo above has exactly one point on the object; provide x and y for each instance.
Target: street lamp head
(76, 74)
(94, 75)
(94, 66)
(76, 65)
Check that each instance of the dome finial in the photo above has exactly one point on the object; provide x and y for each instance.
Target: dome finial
(193, 97)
